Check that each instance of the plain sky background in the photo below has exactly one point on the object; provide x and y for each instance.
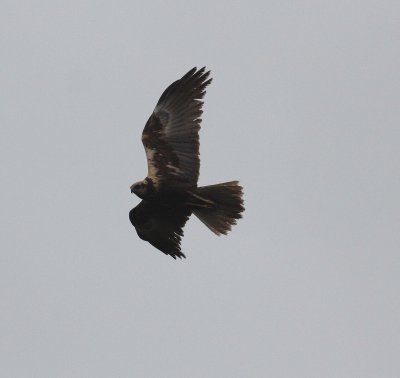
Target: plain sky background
(303, 110)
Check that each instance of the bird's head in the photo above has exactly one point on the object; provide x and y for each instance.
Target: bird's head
(140, 188)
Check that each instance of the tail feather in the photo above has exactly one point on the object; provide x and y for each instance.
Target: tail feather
(219, 206)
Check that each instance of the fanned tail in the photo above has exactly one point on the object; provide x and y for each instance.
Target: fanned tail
(218, 206)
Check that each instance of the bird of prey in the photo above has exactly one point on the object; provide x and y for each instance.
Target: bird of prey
(170, 193)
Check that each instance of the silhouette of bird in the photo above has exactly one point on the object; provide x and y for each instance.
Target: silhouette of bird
(170, 193)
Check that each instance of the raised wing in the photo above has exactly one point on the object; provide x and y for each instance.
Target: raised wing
(161, 225)
(171, 135)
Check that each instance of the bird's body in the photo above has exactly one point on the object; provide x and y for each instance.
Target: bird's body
(170, 193)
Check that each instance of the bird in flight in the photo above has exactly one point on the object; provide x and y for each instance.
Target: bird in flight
(170, 193)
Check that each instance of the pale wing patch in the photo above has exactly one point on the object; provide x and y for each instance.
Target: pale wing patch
(176, 170)
(151, 166)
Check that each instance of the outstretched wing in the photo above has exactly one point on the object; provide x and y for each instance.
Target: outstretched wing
(161, 225)
(171, 135)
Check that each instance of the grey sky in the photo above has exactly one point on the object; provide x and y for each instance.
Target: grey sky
(303, 109)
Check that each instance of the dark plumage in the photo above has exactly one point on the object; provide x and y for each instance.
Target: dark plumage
(169, 192)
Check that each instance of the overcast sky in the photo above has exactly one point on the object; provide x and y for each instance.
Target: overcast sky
(303, 110)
